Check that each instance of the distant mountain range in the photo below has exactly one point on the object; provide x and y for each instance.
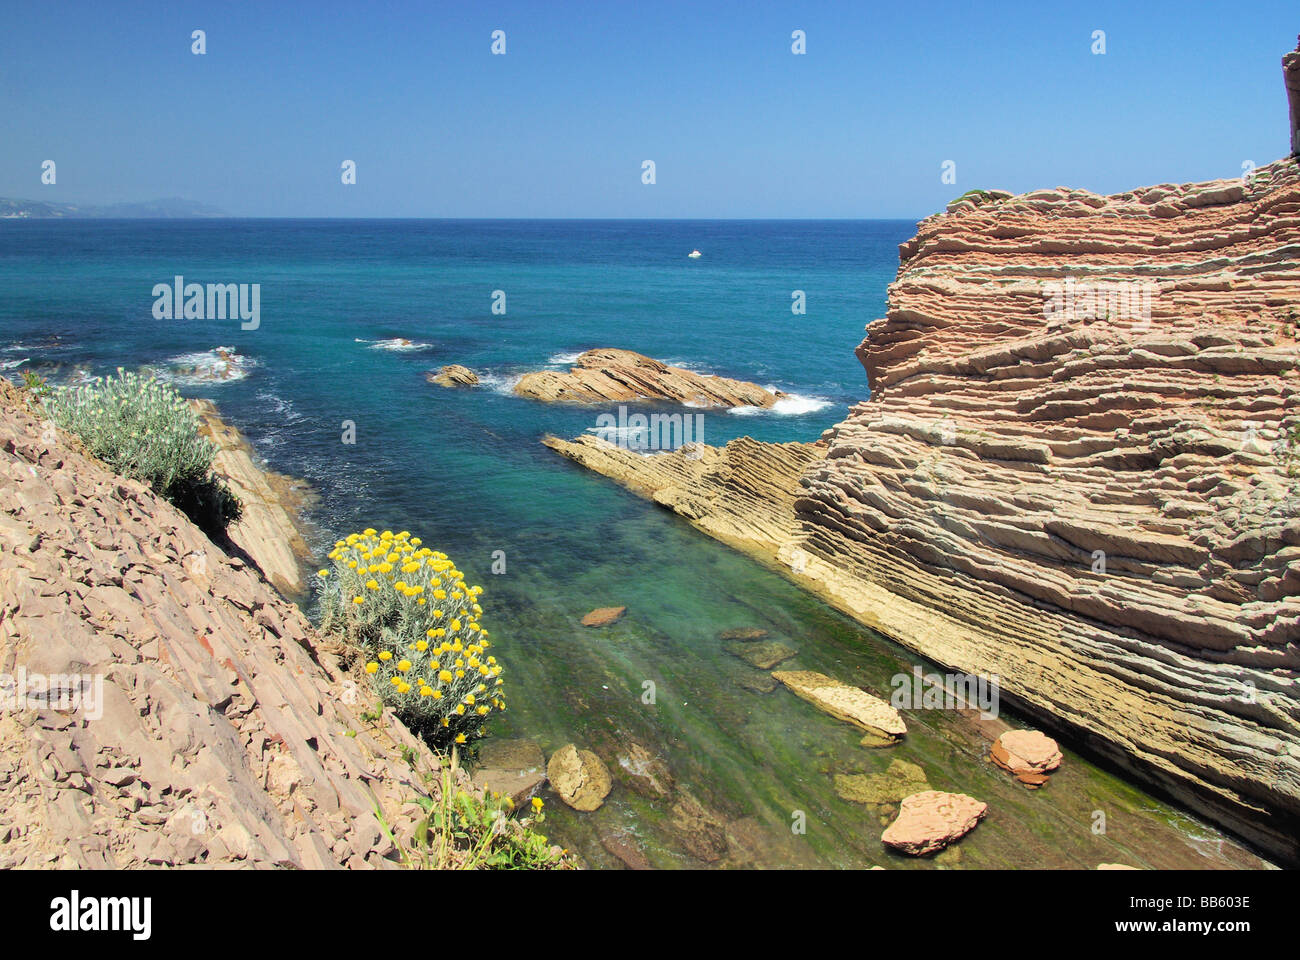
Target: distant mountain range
(169, 208)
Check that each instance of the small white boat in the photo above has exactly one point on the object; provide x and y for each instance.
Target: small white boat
(694, 254)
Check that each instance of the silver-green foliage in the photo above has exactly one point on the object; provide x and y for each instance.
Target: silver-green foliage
(143, 428)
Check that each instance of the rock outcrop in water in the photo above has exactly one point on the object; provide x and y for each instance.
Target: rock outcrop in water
(621, 376)
(211, 725)
(1077, 471)
(270, 530)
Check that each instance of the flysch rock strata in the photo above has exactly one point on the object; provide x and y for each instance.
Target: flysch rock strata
(1095, 502)
(220, 733)
(271, 531)
(621, 376)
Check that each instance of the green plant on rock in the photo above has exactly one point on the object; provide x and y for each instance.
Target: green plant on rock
(410, 612)
(143, 428)
(460, 831)
(35, 384)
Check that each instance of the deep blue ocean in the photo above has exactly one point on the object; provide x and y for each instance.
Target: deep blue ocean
(352, 316)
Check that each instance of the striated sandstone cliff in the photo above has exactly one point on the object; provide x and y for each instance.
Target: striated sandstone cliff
(621, 376)
(221, 736)
(1099, 506)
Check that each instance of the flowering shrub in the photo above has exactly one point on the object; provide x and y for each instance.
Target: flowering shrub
(144, 429)
(409, 609)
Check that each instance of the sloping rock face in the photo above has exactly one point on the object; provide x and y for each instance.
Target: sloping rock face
(1076, 473)
(742, 493)
(270, 531)
(1099, 508)
(622, 376)
(210, 727)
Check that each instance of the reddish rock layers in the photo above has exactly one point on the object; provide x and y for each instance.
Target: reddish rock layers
(1076, 472)
(1098, 511)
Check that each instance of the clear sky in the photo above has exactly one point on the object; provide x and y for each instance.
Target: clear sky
(736, 123)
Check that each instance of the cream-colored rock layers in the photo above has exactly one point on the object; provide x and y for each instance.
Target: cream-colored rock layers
(1097, 511)
(621, 376)
(222, 737)
(743, 494)
(270, 530)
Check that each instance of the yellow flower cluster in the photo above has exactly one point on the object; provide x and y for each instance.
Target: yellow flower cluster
(411, 608)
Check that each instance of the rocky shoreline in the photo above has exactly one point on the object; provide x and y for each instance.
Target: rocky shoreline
(1076, 471)
(196, 716)
(271, 531)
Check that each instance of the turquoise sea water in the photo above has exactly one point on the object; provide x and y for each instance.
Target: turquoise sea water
(464, 470)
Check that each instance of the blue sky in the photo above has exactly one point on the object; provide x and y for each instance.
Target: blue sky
(737, 125)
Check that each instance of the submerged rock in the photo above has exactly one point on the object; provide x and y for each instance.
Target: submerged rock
(761, 654)
(702, 832)
(579, 777)
(646, 774)
(603, 616)
(757, 682)
(902, 779)
(1026, 754)
(930, 820)
(743, 633)
(623, 845)
(882, 723)
(512, 768)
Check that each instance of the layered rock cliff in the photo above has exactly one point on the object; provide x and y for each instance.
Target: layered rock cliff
(1076, 472)
(196, 717)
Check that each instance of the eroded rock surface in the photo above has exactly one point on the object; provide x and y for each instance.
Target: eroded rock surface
(622, 376)
(270, 531)
(930, 820)
(579, 777)
(1027, 755)
(881, 722)
(219, 728)
(453, 375)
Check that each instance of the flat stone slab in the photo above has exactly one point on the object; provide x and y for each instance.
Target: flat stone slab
(603, 616)
(881, 721)
(929, 821)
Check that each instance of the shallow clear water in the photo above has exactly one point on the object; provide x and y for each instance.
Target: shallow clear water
(464, 470)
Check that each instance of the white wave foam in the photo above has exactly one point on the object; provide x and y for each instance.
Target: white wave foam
(563, 359)
(10, 364)
(218, 365)
(397, 344)
(503, 383)
(791, 405)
